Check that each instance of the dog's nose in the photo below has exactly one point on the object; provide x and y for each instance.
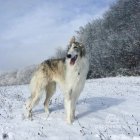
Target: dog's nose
(68, 55)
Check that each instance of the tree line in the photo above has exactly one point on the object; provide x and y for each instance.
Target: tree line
(113, 41)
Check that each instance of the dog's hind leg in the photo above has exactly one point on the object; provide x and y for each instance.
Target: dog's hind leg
(32, 101)
(38, 84)
(50, 90)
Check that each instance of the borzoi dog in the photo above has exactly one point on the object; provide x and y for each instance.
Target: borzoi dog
(70, 73)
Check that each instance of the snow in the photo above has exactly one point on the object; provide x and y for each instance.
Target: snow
(108, 109)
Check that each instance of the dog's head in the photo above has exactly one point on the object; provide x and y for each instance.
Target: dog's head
(75, 51)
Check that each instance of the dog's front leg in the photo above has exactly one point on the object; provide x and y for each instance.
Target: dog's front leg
(69, 108)
(69, 111)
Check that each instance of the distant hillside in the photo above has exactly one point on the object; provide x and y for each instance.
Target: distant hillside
(23, 76)
(17, 77)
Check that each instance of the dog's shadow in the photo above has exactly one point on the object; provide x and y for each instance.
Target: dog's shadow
(95, 104)
(91, 105)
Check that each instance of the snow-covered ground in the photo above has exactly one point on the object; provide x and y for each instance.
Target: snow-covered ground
(108, 109)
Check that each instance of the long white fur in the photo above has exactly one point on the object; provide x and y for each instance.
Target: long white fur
(75, 80)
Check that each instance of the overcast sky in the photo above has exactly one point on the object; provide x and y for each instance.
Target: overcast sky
(31, 30)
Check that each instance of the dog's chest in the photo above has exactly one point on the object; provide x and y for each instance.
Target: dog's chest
(75, 75)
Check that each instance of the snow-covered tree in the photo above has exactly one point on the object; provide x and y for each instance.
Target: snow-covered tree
(113, 42)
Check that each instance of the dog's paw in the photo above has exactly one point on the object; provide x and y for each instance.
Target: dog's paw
(26, 114)
(47, 111)
(69, 121)
(27, 117)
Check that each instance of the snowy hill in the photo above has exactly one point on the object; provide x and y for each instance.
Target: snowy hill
(17, 77)
(108, 109)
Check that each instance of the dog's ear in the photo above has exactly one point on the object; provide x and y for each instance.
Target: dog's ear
(83, 50)
(72, 40)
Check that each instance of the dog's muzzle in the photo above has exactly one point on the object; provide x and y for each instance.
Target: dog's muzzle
(72, 58)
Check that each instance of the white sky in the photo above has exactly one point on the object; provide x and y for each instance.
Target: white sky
(31, 30)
